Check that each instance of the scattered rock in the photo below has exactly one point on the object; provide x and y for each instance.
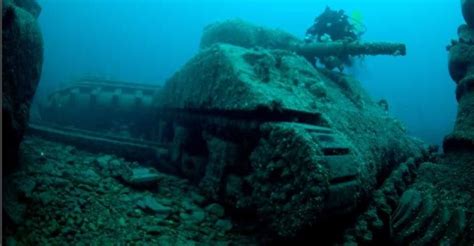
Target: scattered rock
(197, 198)
(103, 161)
(46, 197)
(67, 230)
(166, 201)
(90, 175)
(11, 242)
(153, 230)
(14, 212)
(195, 217)
(83, 206)
(92, 227)
(122, 222)
(26, 187)
(215, 209)
(142, 177)
(224, 225)
(70, 149)
(84, 187)
(150, 205)
(115, 165)
(101, 189)
(188, 205)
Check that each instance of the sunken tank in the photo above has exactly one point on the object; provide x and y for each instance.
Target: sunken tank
(267, 133)
(254, 124)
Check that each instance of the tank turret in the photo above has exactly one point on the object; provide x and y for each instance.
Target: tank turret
(244, 34)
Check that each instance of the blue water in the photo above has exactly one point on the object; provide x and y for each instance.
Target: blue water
(147, 41)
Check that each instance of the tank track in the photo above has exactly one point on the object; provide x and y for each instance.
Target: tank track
(330, 184)
(100, 105)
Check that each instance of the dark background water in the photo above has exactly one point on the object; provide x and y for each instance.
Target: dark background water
(147, 41)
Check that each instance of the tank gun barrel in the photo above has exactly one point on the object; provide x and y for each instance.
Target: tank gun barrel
(349, 48)
(240, 33)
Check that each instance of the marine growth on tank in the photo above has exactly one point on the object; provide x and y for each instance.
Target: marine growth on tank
(179, 122)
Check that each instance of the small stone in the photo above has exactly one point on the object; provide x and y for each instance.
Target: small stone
(153, 230)
(88, 161)
(159, 219)
(84, 187)
(224, 225)
(92, 227)
(222, 243)
(215, 209)
(116, 189)
(69, 149)
(46, 197)
(77, 210)
(11, 241)
(26, 187)
(167, 240)
(125, 198)
(67, 230)
(91, 175)
(101, 189)
(166, 201)
(188, 205)
(81, 202)
(166, 222)
(100, 222)
(70, 221)
(150, 205)
(121, 221)
(103, 161)
(197, 198)
(142, 177)
(54, 228)
(196, 216)
(138, 212)
(115, 163)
